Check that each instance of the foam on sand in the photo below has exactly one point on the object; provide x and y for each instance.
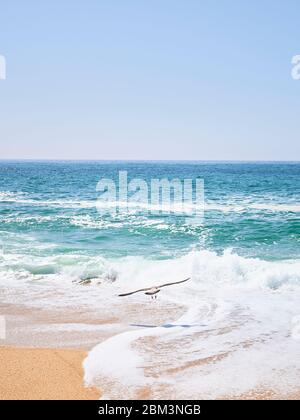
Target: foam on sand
(237, 331)
(235, 336)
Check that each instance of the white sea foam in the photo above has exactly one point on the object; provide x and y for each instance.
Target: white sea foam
(25, 199)
(232, 205)
(12, 196)
(208, 270)
(235, 335)
(240, 207)
(237, 326)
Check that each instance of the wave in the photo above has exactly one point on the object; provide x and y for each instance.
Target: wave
(133, 207)
(239, 208)
(9, 196)
(207, 269)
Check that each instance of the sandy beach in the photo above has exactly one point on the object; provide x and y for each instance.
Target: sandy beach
(56, 374)
(43, 374)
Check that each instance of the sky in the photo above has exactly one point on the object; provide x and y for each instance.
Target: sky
(150, 80)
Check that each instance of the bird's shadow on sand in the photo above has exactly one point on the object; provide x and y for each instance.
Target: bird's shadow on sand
(163, 326)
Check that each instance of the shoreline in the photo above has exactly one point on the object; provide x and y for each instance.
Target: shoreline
(57, 374)
(43, 374)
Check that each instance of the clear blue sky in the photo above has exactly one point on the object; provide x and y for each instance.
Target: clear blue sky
(150, 79)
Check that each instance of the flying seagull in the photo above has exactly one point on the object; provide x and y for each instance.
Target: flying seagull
(152, 291)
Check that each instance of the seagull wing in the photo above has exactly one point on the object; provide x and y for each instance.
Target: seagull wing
(174, 282)
(135, 291)
(149, 288)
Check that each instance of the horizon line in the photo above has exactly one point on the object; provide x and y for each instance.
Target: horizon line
(146, 160)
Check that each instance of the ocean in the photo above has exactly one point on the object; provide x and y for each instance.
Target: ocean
(233, 328)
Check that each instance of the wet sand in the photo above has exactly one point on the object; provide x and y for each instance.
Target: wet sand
(50, 374)
(43, 374)
(56, 372)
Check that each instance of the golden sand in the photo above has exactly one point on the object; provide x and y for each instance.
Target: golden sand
(43, 374)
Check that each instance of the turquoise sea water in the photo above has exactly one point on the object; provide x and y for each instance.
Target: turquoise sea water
(240, 309)
(252, 208)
